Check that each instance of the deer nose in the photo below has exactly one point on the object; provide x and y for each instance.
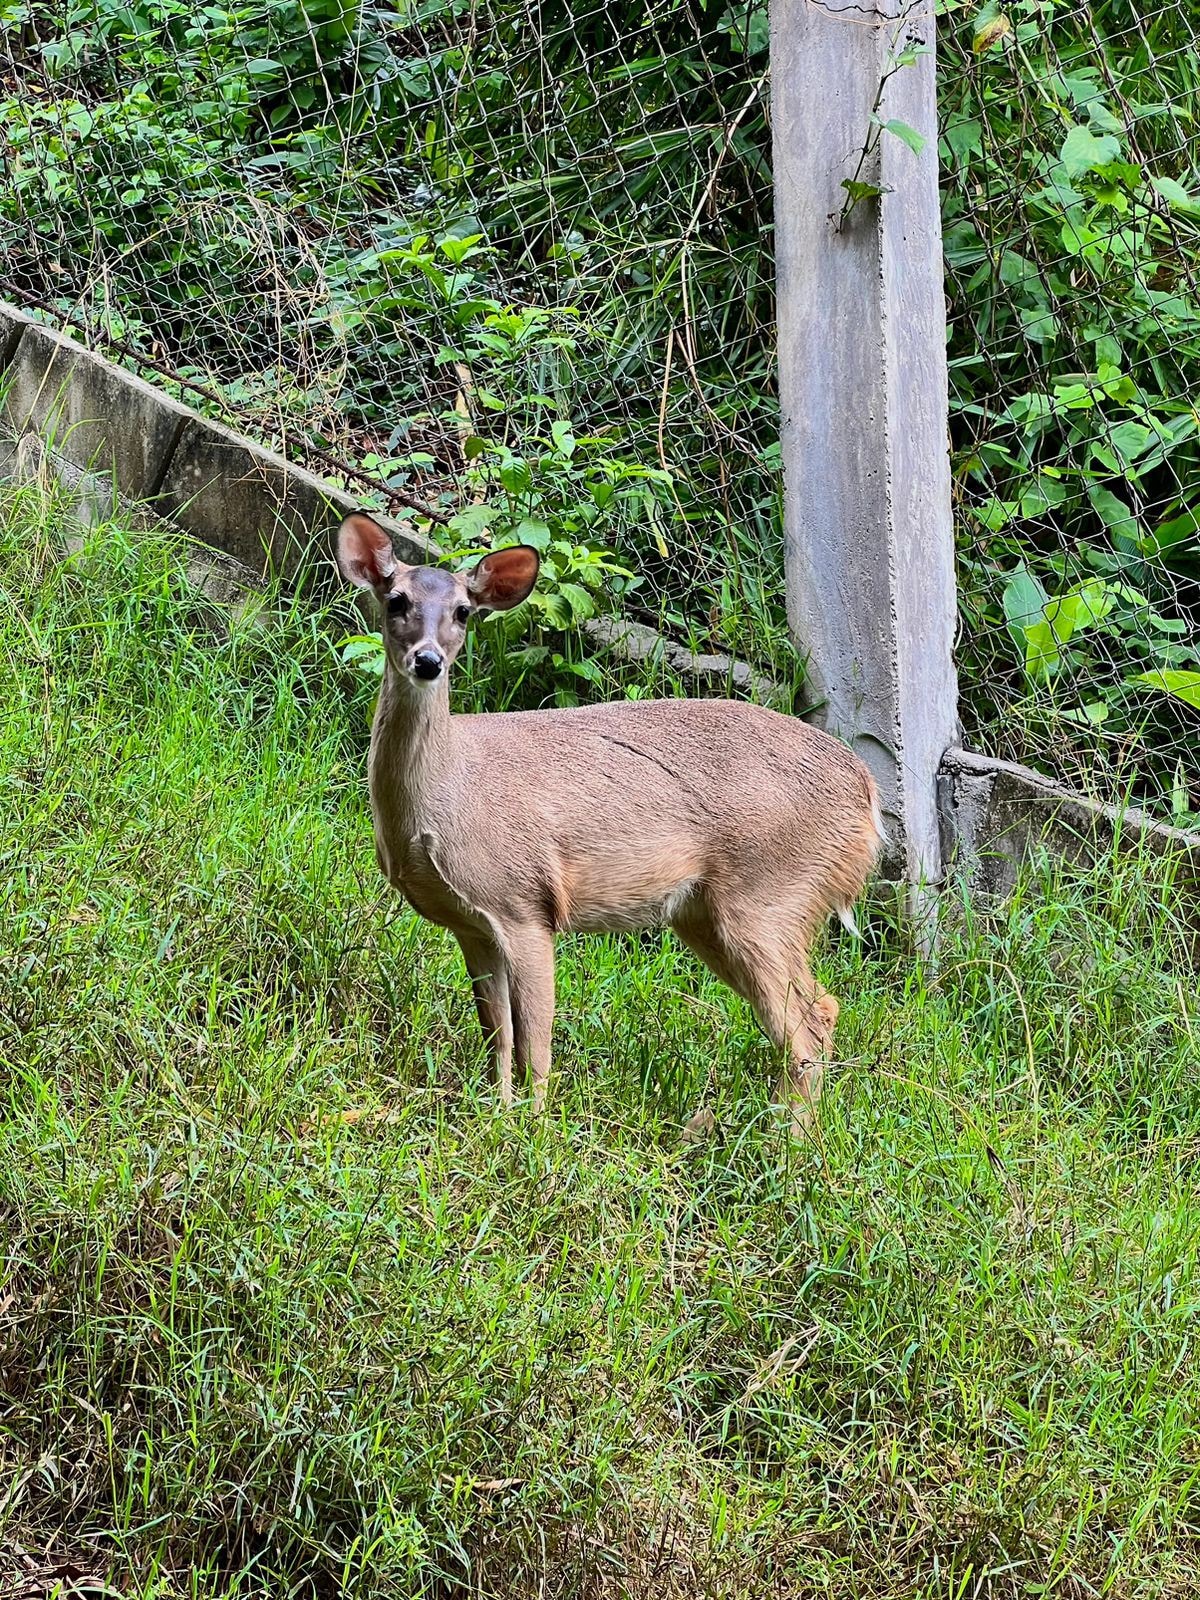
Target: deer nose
(427, 664)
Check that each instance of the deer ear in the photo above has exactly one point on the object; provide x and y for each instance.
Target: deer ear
(505, 578)
(365, 553)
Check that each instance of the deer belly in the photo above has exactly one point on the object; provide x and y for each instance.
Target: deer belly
(634, 892)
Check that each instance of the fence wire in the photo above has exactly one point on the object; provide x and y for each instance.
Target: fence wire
(1071, 184)
(511, 263)
(509, 260)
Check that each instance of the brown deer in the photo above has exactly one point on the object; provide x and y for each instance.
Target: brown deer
(740, 828)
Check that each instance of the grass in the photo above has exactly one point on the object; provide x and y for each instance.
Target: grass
(946, 1348)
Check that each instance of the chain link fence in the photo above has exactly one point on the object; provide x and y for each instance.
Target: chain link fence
(504, 267)
(1071, 210)
(508, 267)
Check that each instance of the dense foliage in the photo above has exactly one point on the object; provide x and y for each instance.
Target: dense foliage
(1072, 236)
(515, 261)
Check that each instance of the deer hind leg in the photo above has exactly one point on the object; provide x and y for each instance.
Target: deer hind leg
(489, 984)
(810, 1016)
(529, 958)
(767, 964)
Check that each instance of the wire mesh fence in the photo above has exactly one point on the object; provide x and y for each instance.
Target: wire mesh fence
(1071, 184)
(508, 266)
(510, 262)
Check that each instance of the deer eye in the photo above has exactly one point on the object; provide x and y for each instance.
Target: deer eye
(462, 614)
(398, 605)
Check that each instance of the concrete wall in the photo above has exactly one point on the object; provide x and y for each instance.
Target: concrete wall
(106, 434)
(995, 814)
(97, 418)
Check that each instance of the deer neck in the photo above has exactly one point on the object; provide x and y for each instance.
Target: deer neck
(410, 749)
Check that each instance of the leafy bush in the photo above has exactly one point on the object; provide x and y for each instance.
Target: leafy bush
(1072, 229)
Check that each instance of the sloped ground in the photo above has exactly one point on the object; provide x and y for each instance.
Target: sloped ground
(945, 1348)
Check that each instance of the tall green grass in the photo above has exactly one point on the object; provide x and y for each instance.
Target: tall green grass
(944, 1348)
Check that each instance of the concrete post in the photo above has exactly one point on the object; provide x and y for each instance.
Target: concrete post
(862, 372)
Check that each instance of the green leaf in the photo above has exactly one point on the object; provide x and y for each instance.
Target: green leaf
(1102, 118)
(1042, 655)
(915, 141)
(588, 669)
(555, 608)
(472, 523)
(964, 138)
(1040, 495)
(1118, 386)
(1079, 237)
(1024, 601)
(1080, 608)
(580, 601)
(1084, 151)
(1116, 517)
(995, 514)
(990, 32)
(456, 251)
(516, 476)
(1130, 440)
(1039, 324)
(1074, 397)
(1176, 196)
(530, 531)
(364, 651)
(1176, 531)
(1183, 686)
(861, 191)
(532, 656)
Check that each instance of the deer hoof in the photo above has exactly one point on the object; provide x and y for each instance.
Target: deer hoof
(699, 1127)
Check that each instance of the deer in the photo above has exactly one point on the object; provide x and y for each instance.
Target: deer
(740, 828)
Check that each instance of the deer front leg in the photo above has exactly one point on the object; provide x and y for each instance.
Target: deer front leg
(529, 952)
(489, 984)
